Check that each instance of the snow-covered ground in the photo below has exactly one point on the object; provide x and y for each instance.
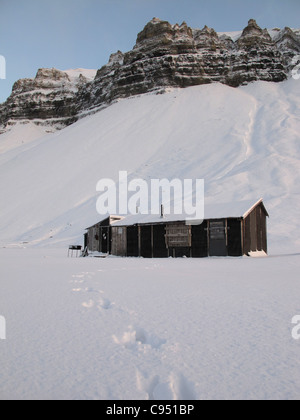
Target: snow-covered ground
(120, 328)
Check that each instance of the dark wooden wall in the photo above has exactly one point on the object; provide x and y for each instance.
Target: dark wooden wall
(146, 241)
(119, 241)
(199, 240)
(159, 241)
(255, 231)
(132, 241)
(98, 237)
(234, 238)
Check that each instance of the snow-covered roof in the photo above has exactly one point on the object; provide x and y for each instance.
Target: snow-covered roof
(113, 220)
(232, 209)
(239, 209)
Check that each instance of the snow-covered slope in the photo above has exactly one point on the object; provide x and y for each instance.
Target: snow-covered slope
(244, 142)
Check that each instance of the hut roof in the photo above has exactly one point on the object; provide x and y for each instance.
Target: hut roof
(239, 209)
(113, 220)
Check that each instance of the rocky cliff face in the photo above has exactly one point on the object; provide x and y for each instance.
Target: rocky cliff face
(164, 56)
(49, 98)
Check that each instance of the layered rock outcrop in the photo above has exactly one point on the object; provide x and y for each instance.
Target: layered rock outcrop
(164, 56)
(49, 98)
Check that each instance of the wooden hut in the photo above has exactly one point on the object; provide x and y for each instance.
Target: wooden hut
(233, 229)
(98, 236)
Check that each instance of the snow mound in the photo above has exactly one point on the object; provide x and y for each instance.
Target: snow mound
(257, 254)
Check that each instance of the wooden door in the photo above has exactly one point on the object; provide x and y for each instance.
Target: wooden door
(217, 238)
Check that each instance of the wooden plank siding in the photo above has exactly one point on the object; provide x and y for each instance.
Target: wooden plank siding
(255, 230)
(160, 249)
(133, 241)
(264, 233)
(199, 240)
(119, 241)
(259, 222)
(234, 237)
(247, 238)
(146, 241)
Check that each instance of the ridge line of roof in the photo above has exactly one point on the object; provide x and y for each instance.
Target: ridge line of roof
(230, 212)
(251, 208)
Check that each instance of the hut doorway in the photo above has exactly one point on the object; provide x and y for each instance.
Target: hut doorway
(105, 239)
(217, 239)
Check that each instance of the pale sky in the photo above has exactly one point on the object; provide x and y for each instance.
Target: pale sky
(83, 33)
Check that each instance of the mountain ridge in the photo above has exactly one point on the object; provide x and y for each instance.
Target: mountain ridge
(164, 56)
